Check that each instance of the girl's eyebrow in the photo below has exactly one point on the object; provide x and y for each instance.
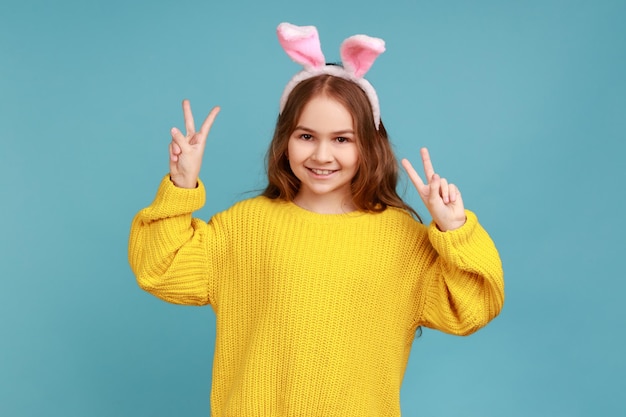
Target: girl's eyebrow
(339, 132)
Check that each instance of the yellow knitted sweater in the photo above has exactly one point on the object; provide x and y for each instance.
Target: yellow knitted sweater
(316, 313)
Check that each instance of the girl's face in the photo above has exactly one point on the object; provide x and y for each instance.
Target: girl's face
(323, 155)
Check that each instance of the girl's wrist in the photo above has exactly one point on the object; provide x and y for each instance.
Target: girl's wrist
(452, 226)
(183, 183)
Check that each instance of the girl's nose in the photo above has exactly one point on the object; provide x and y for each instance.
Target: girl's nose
(322, 152)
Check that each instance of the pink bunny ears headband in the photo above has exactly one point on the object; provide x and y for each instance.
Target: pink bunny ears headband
(358, 53)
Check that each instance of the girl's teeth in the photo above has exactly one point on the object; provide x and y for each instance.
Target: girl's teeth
(321, 171)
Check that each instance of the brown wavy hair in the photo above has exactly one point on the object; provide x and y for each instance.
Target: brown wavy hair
(374, 185)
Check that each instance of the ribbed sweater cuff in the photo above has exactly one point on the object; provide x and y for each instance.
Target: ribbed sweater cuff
(452, 245)
(175, 201)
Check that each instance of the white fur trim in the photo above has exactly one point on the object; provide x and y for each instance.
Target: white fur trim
(336, 71)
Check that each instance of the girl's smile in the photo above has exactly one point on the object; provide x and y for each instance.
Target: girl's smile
(321, 172)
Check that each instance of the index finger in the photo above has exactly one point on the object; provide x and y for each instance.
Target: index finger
(413, 175)
(189, 124)
(208, 122)
(428, 164)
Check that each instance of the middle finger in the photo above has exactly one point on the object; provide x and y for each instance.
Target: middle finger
(429, 171)
(189, 124)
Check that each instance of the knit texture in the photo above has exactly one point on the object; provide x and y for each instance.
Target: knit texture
(316, 314)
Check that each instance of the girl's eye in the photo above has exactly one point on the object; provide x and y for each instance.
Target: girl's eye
(341, 139)
(306, 136)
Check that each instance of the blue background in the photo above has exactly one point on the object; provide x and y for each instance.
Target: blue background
(522, 104)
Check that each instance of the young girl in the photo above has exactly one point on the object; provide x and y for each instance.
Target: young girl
(320, 283)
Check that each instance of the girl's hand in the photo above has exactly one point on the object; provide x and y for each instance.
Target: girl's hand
(442, 200)
(186, 150)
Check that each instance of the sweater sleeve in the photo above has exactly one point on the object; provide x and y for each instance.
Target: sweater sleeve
(465, 287)
(168, 249)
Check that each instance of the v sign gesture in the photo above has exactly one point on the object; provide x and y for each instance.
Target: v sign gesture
(186, 150)
(442, 200)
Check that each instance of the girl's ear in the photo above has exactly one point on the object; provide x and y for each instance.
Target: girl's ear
(302, 44)
(359, 52)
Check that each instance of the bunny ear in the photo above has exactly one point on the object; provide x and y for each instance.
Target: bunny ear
(302, 44)
(359, 52)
